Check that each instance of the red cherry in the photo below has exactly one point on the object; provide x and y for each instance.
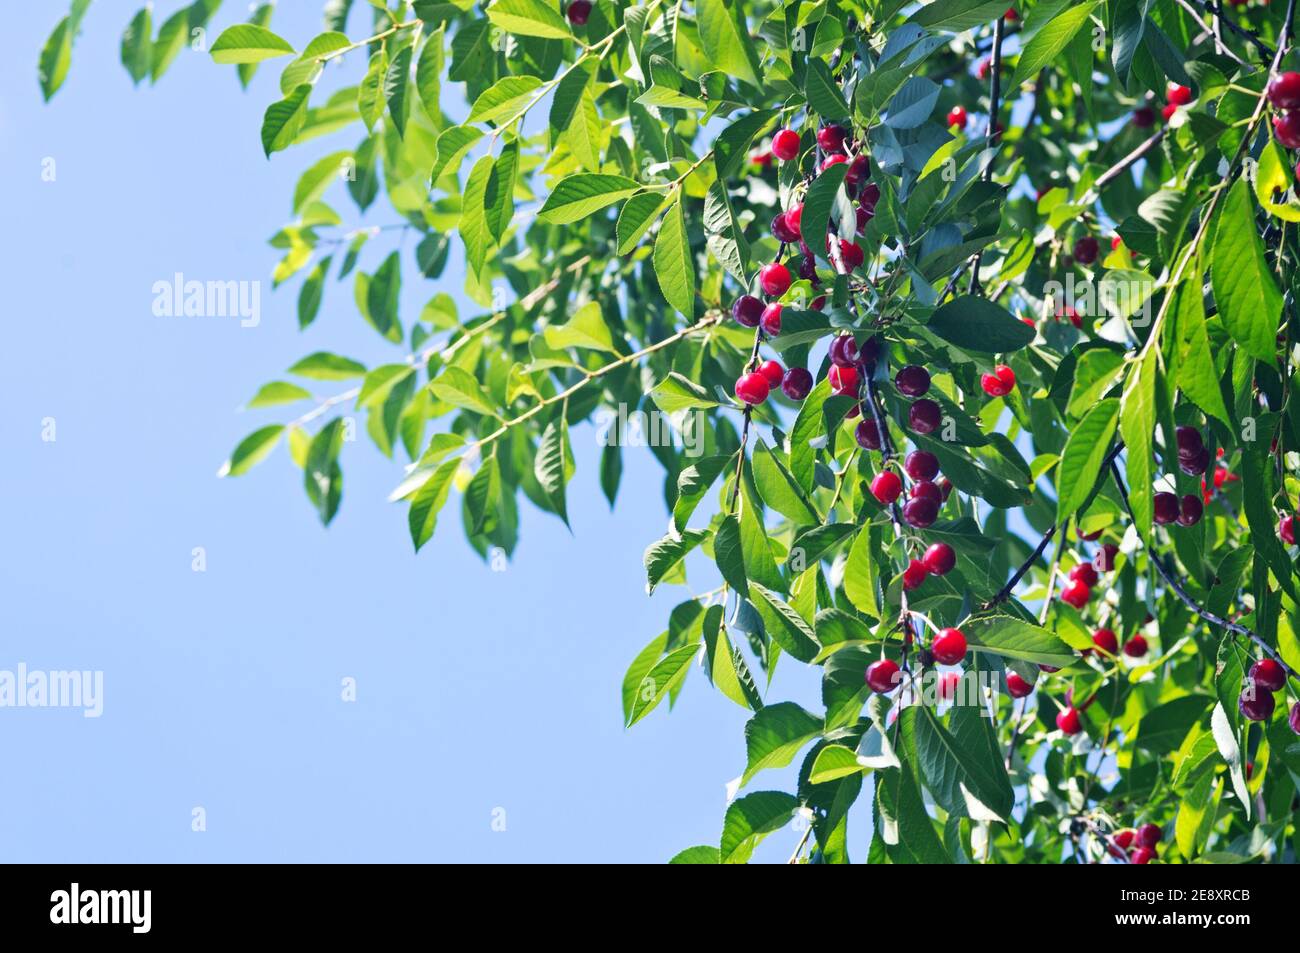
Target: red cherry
(1000, 383)
(922, 465)
(844, 351)
(1286, 530)
(747, 310)
(1143, 855)
(1105, 639)
(1017, 687)
(1284, 91)
(782, 230)
(1076, 594)
(844, 380)
(1190, 510)
(924, 489)
(1135, 647)
(939, 559)
(1144, 117)
(1148, 835)
(886, 486)
(785, 145)
(851, 254)
(773, 371)
(1179, 95)
(883, 676)
(921, 512)
(753, 388)
(1104, 561)
(957, 117)
(867, 435)
(1011, 16)
(1189, 441)
(774, 278)
(1168, 111)
(924, 416)
(1268, 675)
(949, 647)
(1068, 721)
(794, 217)
(1166, 508)
(1195, 464)
(1047, 668)
(831, 138)
(862, 215)
(914, 574)
(948, 683)
(1086, 249)
(798, 383)
(1294, 718)
(945, 487)
(578, 11)
(1287, 129)
(1085, 573)
(833, 160)
(1123, 839)
(1086, 537)
(870, 196)
(982, 68)
(818, 303)
(771, 319)
(912, 380)
(859, 169)
(1115, 242)
(1256, 705)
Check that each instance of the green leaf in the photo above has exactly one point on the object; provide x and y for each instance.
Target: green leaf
(860, 575)
(819, 201)
(313, 183)
(498, 197)
(552, 464)
(322, 477)
(529, 18)
(702, 854)
(396, 83)
(832, 763)
(824, 96)
(370, 94)
(635, 218)
(428, 72)
(751, 818)
(965, 775)
(1248, 299)
(459, 388)
(693, 483)
(663, 678)
(731, 147)
(1081, 461)
(977, 324)
(1048, 43)
(252, 450)
(675, 393)
(504, 98)
(248, 43)
(955, 16)
(1016, 639)
(586, 329)
(1195, 364)
(728, 553)
(324, 366)
(1273, 184)
(56, 57)
(785, 626)
(453, 145)
(284, 119)
(422, 517)
(674, 267)
(1137, 424)
(278, 392)
(311, 293)
(382, 295)
(725, 38)
(473, 225)
(722, 233)
(778, 489)
(137, 45)
(774, 736)
(667, 553)
(1162, 730)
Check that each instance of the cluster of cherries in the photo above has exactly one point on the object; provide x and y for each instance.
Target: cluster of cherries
(1194, 460)
(1144, 116)
(1137, 847)
(1082, 577)
(1257, 703)
(947, 648)
(775, 278)
(1284, 94)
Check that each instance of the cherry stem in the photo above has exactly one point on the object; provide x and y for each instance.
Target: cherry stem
(1004, 593)
(992, 136)
(1250, 36)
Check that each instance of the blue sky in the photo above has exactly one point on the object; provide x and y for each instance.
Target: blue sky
(477, 690)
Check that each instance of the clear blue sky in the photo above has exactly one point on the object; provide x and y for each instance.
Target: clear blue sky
(477, 690)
